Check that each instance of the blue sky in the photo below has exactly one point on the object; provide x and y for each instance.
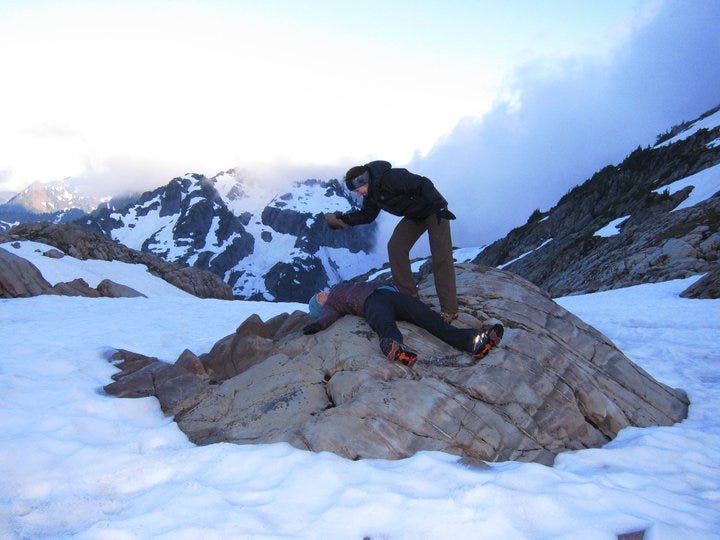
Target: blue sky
(130, 94)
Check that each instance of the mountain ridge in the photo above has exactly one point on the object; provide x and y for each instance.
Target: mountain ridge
(658, 236)
(653, 217)
(275, 250)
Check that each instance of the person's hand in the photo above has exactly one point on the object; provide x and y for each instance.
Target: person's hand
(312, 328)
(334, 222)
(444, 213)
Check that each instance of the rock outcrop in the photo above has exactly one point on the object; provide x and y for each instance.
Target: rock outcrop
(83, 244)
(19, 278)
(553, 384)
(660, 232)
(706, 287)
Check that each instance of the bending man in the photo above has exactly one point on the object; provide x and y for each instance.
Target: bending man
(422, 208)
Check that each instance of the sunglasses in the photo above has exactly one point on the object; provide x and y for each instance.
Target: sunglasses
(359, 181)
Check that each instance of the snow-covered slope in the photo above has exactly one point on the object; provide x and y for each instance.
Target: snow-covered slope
(77, 463)
(93, 271)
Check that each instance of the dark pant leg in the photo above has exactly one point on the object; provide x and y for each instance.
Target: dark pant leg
(380, 316)
(404, 236)
(443, 264)
(410, 309)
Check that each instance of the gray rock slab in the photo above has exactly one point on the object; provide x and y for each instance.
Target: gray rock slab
(553, 384)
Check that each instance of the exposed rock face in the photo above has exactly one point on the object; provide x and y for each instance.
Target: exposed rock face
(76, 287)
(707, 287)
(296, 280)
(83, 244)
(553, 384)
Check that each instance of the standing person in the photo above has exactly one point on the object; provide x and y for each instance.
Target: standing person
(382, 306)
(422, 208)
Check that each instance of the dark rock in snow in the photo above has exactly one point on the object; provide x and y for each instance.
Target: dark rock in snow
(117, 290)
(19, 278)
(297, 280)
(706, 287)
(76, 287)
(54, 254)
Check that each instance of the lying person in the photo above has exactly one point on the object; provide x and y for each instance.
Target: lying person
(382, 306)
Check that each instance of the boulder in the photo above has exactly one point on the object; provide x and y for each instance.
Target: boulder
(19, 278)
(706, 287)
(76, 287)
(177, 387)
(252, 342)
(53, 253)
(553, 384)
(111, 289)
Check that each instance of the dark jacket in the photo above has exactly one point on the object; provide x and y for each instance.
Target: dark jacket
(346, 299)
(397, 191)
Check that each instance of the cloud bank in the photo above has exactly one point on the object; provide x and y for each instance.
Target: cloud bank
(565, 121)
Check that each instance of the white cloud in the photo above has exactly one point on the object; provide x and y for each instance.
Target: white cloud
(567, 120)
(205, 90)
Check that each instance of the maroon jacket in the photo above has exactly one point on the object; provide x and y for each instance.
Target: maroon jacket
(346, 299)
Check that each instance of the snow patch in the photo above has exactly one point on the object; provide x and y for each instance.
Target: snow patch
(709, 122)
(546, 242)
(705, 184)
(612, 228)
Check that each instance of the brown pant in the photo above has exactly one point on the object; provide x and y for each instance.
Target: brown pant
(407, 232)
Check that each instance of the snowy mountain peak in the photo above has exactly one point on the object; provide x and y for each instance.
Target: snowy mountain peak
(53, 197)
(241, 194)
(281, 250)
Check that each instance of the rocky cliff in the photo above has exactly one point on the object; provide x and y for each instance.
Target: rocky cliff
(653, 217)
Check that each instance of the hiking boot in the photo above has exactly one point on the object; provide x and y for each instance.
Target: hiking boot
(396, 352)
(448, 317)
(486, 340)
